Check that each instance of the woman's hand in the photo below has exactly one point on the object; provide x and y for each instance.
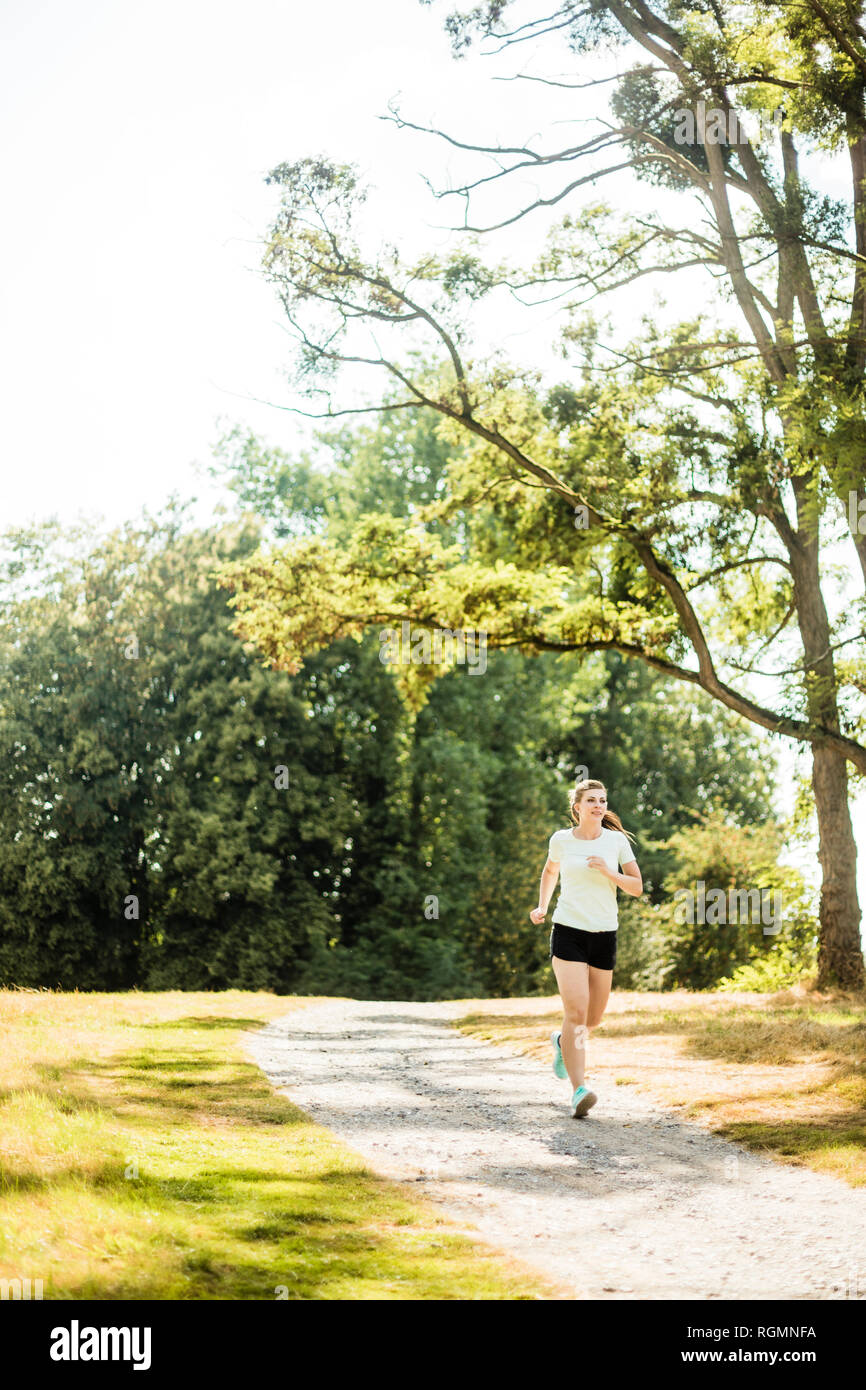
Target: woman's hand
(537, 915)
(595, 861)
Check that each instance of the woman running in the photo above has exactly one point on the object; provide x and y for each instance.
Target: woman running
(583, 939)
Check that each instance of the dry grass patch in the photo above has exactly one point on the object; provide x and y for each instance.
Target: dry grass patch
(784, 1074)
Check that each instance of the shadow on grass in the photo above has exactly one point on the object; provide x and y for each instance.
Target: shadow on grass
(206, 1021)
(208, 1186)
(795, 1139)
(288, 1223)
(283, 1262)
(231, 1229)
(232, 1092)
(311, 1237)
(304, 1253)
(144, 1062)
(17, 1177)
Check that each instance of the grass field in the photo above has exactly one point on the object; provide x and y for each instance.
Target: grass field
(783, 1074)
(141, 1156)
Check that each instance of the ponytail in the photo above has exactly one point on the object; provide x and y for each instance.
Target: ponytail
(613, 822)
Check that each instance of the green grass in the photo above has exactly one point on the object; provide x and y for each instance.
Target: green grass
(143, 1157)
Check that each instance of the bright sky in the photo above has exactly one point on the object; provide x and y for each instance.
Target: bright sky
(136, 141)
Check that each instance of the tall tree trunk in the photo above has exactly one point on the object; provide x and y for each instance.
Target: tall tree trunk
(840, 957)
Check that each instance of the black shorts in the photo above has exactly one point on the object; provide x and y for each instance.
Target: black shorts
(596, 948)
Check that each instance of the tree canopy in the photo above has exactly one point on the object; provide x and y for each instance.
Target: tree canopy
(176, 814)
(674, 497)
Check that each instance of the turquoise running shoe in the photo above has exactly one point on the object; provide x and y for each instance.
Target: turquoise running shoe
(558, 1063)
(582, 1100)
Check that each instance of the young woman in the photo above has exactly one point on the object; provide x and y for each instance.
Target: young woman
(583, 939)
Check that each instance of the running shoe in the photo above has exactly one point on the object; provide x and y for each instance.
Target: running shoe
(558, 1064)
(582, 1100)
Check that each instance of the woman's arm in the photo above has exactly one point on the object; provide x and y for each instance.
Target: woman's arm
(549, 875)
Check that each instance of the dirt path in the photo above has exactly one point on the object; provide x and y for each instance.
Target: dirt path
(630, 1202)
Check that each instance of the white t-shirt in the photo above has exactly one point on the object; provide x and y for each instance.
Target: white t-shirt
(586, 898)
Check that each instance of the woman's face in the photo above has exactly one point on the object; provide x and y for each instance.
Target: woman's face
(591, 806)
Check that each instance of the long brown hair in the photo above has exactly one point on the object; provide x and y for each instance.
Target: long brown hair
(609, 819)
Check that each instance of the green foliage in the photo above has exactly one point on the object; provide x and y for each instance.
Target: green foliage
(664, 949)
(640, 950)
(702, 456)
(72, 789)
(143, 840)
(403, 856)
(489, 760)
(153, 775)
(786, 963)
(639, 102)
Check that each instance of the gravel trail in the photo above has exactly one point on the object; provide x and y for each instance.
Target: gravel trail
(630, 1202)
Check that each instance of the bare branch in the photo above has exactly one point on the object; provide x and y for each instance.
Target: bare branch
(797, 729)
(539, 33)
(571, 86)
(737, 564)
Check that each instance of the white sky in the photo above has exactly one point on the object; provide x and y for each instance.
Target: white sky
(136, 141)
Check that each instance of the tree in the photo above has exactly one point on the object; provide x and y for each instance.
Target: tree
(250, 809)
(710, 933)
(705, 467)
(463, 832)
(488, 761)
(175, 815)
(144, 837)
(75, 783)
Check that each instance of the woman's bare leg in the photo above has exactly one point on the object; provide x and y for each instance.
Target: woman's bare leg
(572, 978)
(599, 993)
